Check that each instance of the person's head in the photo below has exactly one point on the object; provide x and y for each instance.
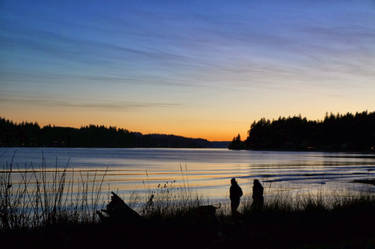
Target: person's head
(256, 182)
(233, 181)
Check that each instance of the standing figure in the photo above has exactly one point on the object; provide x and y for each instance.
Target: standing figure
(258, 199)
(235, 193)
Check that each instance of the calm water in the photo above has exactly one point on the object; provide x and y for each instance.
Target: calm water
(206, 172)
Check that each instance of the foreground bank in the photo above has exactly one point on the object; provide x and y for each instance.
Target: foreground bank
(282, 223)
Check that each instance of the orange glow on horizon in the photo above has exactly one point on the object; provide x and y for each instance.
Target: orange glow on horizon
(204, 132)
(191, 123)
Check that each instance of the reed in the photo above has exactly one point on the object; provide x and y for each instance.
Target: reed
(40, 196)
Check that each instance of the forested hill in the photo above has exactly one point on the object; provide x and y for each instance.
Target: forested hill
(32, 135)
(348, 132)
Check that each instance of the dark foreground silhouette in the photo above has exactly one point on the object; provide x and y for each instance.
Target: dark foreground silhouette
(273, 226)
(118, 212)
(235, 193)
(258, 199)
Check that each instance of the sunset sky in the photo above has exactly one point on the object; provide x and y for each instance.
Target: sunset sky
(193, 68)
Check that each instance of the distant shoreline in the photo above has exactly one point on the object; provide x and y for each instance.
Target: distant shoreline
(84, 147)
(370, 154)
(27, 134)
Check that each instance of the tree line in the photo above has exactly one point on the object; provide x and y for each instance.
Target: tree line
(336, 132)
(30, 134)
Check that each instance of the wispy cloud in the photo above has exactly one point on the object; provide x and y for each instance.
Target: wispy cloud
(242, 44)
(51, 43)
(101, 105)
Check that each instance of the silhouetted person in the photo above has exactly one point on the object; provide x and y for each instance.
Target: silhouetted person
(235, 193)
(258, 199)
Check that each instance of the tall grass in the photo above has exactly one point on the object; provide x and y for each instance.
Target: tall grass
(41, 196)
(315, 203)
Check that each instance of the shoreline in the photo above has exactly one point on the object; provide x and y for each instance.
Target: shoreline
(198, 148)
(347, 224)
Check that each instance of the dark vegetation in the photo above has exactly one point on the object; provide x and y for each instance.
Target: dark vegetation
(41, 215)
(32, 135)
(348, 132)
(237, 144)
(278, 225)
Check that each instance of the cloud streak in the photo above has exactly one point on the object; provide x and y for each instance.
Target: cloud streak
(97, 105)
(181, 45)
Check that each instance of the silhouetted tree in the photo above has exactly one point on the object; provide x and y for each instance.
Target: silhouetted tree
(31, 134)
(349, 132)
(236, 143)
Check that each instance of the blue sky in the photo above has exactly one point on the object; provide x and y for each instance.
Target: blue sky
(193, 68)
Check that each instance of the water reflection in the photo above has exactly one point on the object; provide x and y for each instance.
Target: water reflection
(206, 171)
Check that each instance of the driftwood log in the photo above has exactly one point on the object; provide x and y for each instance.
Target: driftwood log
(117, 211)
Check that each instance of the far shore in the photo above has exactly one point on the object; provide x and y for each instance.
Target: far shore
(367, 152)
